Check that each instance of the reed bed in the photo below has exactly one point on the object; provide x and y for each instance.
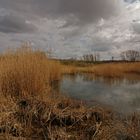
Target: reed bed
(25, 71)
(29, 111)
(116, 70)
(25, 74)
(105, 70)
(70, 69)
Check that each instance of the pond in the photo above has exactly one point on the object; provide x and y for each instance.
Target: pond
(121, 94)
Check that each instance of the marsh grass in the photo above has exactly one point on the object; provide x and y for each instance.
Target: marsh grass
(111, 70)
(25, 78)
(116, 69)
(28, 111)
(25, 72)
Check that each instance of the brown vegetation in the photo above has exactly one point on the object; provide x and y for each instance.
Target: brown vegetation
(29, 111)
(26, 71)
(116, 70)
(66, 119)
(106, 70)
(70, 69)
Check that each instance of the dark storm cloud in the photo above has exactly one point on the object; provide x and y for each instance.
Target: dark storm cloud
(15, 24)
(84, 10)
(88, 10)
(63, 20)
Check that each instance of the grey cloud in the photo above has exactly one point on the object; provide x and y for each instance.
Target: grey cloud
(136, 27)
(101, 44)
(58, 24)
(130, 1)
(88, 10)
(101, 48)
(15, 24)
(85, 11)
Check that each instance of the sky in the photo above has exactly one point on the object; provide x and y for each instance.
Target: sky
(71, 28)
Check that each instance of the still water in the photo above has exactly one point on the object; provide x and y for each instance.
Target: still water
(121, 94)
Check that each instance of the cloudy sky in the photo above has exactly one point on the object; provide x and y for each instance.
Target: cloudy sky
(71, 28)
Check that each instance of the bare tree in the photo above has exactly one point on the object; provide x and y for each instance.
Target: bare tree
(91, 57)
(130, 55)
(97, 56)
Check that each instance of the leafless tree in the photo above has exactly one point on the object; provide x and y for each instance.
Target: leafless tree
(130, 55)
(91, 57)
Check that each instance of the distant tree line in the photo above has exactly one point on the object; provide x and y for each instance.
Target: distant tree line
(91, 57)
(130, 55)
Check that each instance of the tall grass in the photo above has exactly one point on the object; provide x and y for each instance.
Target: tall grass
(116, 69)
(26, 72)
(106, 70)
(70, 69)
(25, 84)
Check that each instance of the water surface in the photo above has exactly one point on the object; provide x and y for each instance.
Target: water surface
(121, 94)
